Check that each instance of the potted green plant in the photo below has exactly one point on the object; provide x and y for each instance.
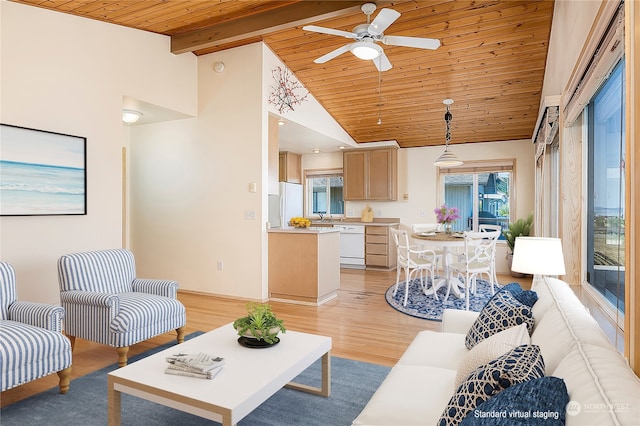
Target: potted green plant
(260, 324)
(519, 228)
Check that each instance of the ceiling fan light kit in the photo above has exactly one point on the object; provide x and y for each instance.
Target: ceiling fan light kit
(448, 158)
(366, 50)
(367, 35)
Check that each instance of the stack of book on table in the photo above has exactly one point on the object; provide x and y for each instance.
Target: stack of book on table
(199, 365)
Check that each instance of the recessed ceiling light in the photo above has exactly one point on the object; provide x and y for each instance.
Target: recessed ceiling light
(316, 151)
(281, 122)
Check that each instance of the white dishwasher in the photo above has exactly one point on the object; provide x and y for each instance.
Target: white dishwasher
(351, 246)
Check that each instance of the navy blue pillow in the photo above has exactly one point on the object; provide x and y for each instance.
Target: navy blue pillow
(540, 401)
(526, 297)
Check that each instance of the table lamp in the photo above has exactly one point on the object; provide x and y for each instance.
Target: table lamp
(537, 255)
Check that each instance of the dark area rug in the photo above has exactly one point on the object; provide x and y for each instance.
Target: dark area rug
(426, 307)
(352, 385)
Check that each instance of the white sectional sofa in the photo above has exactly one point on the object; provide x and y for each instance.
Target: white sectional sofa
(602, 389)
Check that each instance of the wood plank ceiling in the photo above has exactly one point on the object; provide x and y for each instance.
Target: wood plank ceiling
(491, 61)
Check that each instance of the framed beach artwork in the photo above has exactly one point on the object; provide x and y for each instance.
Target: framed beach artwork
(42, 173)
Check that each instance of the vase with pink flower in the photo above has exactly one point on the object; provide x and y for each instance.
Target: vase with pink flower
(446, 216)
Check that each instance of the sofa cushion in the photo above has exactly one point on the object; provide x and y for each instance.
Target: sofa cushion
(28, 353)
(549, 291)
(516, 366)
(449, 353)
(501, 312)
(565, 324)
(139, 310)
(602, 388)
(408, 396)
(491, 348)
(540, 401)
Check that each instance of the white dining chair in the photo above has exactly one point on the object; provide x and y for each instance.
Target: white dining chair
(418, 228)
(413, 261)
(492, 228)
(479, 250)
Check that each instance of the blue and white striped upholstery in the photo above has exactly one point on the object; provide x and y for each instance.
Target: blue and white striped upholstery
(31, 342)
(106, 303)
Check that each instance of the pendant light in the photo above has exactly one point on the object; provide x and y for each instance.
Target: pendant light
(448, 158)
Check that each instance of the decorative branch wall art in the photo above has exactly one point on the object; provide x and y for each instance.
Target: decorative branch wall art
(41, 173)
(287, 91)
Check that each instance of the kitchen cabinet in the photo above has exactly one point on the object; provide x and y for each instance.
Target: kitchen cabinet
(380, 249)
(290, 167)
(371, 174)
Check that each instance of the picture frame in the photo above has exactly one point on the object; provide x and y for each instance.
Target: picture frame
(42, 173)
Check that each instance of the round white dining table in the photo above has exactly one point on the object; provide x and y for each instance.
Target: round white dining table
(445, 242)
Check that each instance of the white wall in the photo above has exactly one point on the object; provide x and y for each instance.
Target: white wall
(190, 183)
(190, 179)
(67, 74)
(417, 177)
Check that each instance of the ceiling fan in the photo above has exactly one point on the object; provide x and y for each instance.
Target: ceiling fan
(366, 36)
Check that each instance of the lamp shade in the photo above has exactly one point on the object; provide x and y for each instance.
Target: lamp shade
(536, 255)
(447, 159)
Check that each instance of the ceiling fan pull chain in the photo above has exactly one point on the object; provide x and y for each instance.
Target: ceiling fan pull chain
(379, 97)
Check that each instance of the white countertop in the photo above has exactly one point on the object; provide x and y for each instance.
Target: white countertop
(310, 230)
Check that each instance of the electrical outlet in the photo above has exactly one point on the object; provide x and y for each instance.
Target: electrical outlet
(405, 197)
(379, 213)
(220, 265)
(249, 215)
(422, 213)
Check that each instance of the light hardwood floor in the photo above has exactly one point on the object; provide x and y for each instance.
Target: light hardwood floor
(360, 322)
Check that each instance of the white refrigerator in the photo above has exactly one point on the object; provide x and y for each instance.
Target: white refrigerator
(285, 205)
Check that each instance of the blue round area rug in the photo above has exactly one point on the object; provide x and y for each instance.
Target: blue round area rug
(426, 307)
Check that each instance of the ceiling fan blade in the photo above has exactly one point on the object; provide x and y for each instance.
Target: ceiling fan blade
(382, 62)
(329, 56)
(420, 43)
(329, 31)
(385, 18)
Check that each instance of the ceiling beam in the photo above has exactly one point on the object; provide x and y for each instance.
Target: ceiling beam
(260, 24)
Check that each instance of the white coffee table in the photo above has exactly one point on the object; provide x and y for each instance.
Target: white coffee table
(248, 378)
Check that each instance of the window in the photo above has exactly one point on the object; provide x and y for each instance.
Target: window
(482, 193)
(324, 193)
(606, 189)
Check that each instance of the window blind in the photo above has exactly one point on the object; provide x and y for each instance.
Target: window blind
(602, 52)
(503, 165)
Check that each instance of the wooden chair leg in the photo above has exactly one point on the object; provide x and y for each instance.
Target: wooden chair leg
(65, 378)
(72, 339)
(181, 331)
(122, 355)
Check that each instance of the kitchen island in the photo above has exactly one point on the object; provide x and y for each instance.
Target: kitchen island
(304, 265)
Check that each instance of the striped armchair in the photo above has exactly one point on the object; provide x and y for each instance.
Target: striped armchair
(106, 303)
(31, 341)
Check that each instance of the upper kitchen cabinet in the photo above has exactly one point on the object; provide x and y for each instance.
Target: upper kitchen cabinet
(371, 174)
(290, 167)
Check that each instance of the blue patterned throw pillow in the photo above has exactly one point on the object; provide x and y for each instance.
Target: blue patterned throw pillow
(516, 366)
(526, 297)
(537, 402)
(503, 311)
